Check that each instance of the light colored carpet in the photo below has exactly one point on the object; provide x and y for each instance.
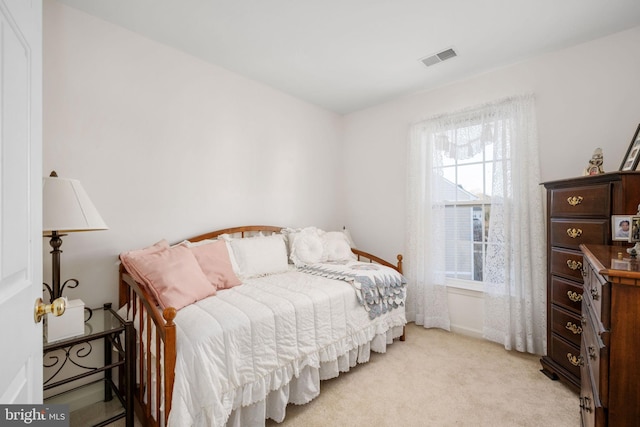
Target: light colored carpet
(437, 378)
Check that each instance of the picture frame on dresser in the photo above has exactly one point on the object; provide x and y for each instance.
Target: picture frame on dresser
(630, 161)
(634, 236)
(621, 227)
(620, 264)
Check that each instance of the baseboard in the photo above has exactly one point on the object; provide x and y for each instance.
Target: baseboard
(466, 331)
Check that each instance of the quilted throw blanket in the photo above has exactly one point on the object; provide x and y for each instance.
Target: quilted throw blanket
(379, 288)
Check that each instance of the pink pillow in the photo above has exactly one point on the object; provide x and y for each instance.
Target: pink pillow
(128, 257)
(173, 276)
(215, 263)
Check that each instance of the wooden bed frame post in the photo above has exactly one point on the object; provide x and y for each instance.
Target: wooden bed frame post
(169, 314)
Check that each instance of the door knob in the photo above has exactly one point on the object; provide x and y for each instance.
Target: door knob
(56, 308)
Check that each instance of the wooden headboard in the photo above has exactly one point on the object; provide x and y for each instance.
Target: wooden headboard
(244, 231)
(251, 230)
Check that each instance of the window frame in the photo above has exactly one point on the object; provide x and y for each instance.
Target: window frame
(483, 202)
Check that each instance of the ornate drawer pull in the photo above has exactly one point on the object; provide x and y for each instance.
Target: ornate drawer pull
(574, 232)
(594, 294)
(574, 296)
(574, 265)
(574, 200)
(575, 361)
(577, 330)
(592, 353)
(585, 403)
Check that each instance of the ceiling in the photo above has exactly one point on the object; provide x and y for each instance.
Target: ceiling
(347, 55)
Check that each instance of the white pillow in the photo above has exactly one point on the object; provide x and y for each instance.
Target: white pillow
(336, 247)
(259, 256)
(312, 245)
(289, 236)
(307, 247)
(347, 234)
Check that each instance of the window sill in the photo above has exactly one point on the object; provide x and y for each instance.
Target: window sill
(466, 285)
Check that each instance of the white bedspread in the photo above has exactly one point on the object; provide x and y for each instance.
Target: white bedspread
(233, 349)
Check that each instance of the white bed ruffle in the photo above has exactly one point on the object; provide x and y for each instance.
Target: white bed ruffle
(247, 352)
(306, 387)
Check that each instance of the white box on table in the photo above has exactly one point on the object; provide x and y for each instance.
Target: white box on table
(69, 324)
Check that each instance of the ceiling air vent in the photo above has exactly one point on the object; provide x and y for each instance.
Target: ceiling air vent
(439, 57)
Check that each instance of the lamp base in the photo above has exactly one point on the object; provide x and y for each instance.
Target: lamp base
(55, 290)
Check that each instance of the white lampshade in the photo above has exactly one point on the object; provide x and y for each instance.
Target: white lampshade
(67, 207)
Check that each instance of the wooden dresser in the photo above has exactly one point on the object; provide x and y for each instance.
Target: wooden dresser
(610, 369)
(579, 212)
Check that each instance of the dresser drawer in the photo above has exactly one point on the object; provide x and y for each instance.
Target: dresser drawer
(591, 408)
(587, 201)
(594, 352)
(566, 263)
(569, 233)
(596, 290)
(566, 354)
(566, 324)
(566, 293)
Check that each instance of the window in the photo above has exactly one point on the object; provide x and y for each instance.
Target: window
(475, 214)
(464, 164)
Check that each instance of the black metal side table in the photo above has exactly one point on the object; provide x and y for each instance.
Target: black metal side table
(75, 355)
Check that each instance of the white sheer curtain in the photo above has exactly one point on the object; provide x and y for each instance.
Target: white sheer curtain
(425, 264)
(515, 267)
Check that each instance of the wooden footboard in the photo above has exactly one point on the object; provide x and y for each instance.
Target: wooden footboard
(156, 333)
(364, 256)
(155, 351)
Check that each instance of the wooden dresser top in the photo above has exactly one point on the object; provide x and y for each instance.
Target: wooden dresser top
(590, 179)
(614, 263)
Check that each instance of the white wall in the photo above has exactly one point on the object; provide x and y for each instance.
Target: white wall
(588, 96)
(168, 146)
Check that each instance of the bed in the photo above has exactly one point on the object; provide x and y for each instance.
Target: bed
(239, 356)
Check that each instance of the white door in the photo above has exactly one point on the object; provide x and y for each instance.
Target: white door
(20, 200)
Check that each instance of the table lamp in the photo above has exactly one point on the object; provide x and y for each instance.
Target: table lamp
(66, 209)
